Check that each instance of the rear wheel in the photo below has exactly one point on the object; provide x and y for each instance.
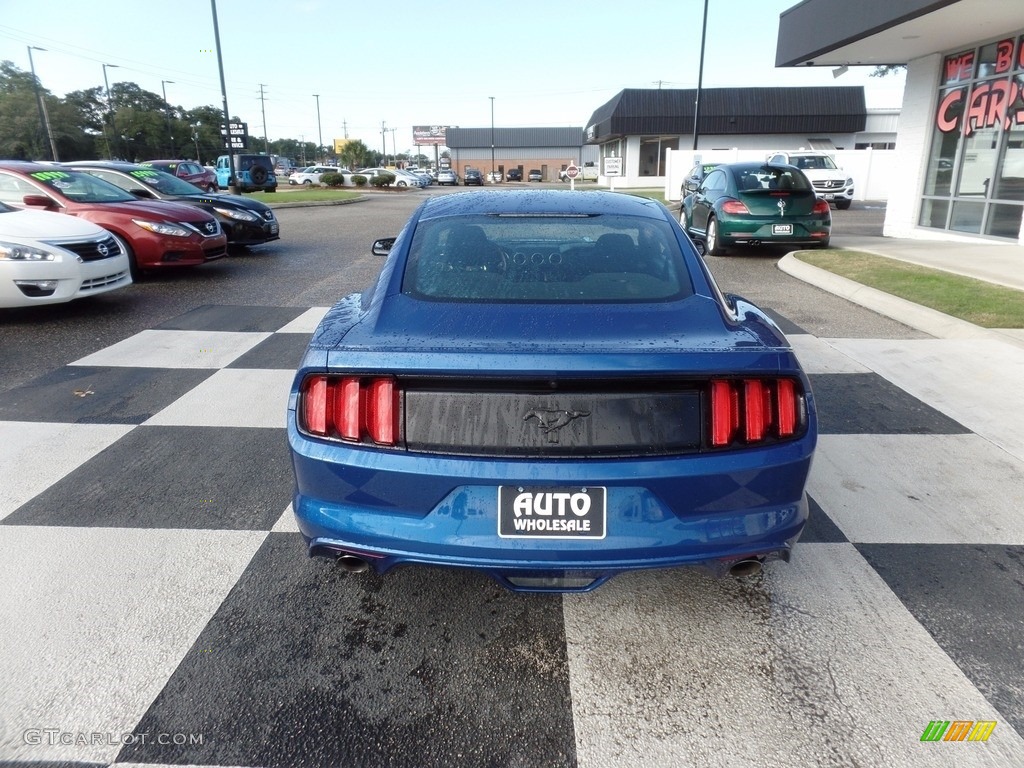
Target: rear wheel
(712, 244)
(211, 189)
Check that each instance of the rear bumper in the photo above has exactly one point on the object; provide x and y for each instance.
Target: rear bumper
(706, 510)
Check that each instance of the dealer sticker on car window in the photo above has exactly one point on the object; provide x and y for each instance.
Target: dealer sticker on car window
(527, 512)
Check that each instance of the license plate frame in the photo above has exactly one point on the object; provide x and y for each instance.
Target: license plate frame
(546, 512)
(782, 229)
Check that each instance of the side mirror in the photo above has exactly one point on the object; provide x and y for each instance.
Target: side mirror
(41, 201)
(383, 246)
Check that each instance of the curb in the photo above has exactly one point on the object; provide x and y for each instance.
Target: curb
(916, 316)
(318, 203)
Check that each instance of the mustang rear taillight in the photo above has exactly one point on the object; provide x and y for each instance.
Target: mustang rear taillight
(751, 411)
(352, 408)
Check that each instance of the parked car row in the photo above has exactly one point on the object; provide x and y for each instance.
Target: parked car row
(121, 220)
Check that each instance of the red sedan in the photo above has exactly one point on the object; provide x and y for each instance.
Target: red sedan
(154, 233)
(188, 170)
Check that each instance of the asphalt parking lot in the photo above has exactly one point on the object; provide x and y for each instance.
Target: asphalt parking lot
(161, 609)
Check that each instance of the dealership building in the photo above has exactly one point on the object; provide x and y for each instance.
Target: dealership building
(959, 153)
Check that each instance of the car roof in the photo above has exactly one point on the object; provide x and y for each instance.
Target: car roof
(752, 166)
(114, 165)
(541, 201)
(27, 166)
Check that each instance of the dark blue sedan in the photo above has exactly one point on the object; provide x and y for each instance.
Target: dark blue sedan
(548, 386)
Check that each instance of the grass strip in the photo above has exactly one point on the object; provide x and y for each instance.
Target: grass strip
(976, 301)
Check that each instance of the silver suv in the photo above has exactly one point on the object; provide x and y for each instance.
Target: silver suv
(830, 182)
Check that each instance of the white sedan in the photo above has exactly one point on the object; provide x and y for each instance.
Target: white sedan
(49, 258)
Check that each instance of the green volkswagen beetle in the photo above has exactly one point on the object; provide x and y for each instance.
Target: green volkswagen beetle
(753, 204)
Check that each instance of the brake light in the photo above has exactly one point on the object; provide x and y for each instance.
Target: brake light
(751, 411)
(821, 207)
(351, 408)
(734, 206)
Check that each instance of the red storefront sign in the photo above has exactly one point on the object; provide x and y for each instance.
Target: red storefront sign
(991, 103)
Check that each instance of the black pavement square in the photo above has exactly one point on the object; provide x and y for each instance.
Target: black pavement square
(229, 478)
(218, 317)
(970, 598)
(820, 529)
(98, 395)
(868, 404)
(784, 323)
(305, 665)
(280, 351)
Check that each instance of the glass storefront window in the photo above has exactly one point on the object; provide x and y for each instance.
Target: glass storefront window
(975, 171)
(933, 213)
(978, 166)
(1004, 221)
(967, 216)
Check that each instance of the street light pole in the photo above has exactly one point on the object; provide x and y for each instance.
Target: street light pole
(106, 85)
(43, 117)
(492, 135)
(319, 133)
(700, 76)
(170, 136)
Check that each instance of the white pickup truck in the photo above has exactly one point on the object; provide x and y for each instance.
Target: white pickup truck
(588, 172)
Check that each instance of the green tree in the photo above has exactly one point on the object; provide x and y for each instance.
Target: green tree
(21, 134)
(354, 155)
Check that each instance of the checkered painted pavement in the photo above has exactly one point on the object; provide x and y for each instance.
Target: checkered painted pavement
(158, 607)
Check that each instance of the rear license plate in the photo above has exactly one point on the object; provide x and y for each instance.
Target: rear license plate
(530, 512)
(782, 229)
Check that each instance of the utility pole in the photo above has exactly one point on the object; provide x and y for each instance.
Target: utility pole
(492, 135)
(266, 141)
(170, 136)
(232, 179)
(43, 117)
(319, 132)
(106, 85)
(384, 144)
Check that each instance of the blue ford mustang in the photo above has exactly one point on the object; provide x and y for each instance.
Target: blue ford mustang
(548, 386)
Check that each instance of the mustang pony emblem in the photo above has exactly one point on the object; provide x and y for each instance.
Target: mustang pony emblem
(551, 420)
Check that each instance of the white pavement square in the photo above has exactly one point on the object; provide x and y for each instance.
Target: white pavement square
(930, 489)
(232, 397)
(176, 349)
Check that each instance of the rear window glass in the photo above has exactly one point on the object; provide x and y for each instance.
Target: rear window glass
(769, 178)
(565, 259)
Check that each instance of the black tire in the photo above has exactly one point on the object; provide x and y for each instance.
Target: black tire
(211, 189)
(712, 244)
(823, 243)
(843, 205)
(307, 183)
(401, 184)
(258, 174)
(133, 264)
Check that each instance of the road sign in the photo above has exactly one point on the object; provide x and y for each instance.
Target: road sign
(613, 166)
(572, 172)
(236, 135)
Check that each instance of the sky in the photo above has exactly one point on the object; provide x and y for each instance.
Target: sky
(379, 69)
